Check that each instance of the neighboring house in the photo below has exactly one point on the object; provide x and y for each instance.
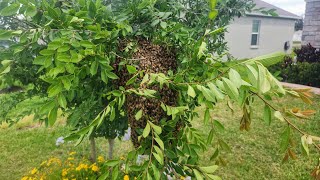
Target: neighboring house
(311, 25)
(259, 34)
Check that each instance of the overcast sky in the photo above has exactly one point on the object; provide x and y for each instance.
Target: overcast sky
(295, 6)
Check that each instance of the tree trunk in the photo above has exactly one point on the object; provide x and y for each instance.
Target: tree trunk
(93, 157)
(111, 145)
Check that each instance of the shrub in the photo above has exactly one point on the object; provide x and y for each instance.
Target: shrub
(305, 71)
(307, 54)
(300, 73)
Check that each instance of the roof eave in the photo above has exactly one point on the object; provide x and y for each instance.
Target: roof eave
(280, 17)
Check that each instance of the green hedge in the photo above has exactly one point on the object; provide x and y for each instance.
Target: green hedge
(299, 73)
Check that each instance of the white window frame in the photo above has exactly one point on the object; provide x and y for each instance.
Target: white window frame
(255, 33)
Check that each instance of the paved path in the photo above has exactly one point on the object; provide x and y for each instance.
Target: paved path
(296, 86)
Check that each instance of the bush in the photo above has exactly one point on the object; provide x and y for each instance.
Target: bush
(306, 69)
(298, 73)
(307, 54)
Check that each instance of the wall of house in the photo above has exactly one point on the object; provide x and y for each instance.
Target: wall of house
(274, 32)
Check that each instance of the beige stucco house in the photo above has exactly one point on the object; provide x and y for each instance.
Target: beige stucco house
(259, 34)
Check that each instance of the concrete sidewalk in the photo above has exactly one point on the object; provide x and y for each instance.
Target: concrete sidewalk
(298, 86)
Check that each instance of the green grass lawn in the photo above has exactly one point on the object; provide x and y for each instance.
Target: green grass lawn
(255, 154)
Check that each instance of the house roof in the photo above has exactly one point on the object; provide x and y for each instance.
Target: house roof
(281, 12)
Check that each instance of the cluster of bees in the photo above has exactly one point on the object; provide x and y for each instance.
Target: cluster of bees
(150, 58)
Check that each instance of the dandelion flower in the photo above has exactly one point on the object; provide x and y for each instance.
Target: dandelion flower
(64, 172)
(72, 153)
(94, 168)
(126, 177)
(100, 159)
(82, 166)
(34, 171)
(70, 159)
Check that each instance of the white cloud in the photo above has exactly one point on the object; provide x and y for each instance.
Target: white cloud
(295, 6)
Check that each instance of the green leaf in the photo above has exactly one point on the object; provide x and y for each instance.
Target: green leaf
(197, 174)
(63, 48)
(202, 49)
(191, 91)
(157, 129)
(86, 44)
(206, 116)
(54, 90)
(158, 158)
(111, 75)
(52, 117)
(218, 125)
(279, 116)
(285, 139)
(145, 79)
(213, 177)
(210, 136)
(231, 89)
(160, 142)
(209, 169)
(10, 10)
(92, 9)
(305, 144)
(31, 11)
(62, 100)
(224, 145)
(252, 75)
(104, 176)
(156, 172)
(131, 69)
(155, 22)
(267, 114)
(146, 131)
(216, 91)
(52, 13)
(163, 24)
(138, 115)
(213, 4)
(235, 77)
(115, 173)
(54, 45)
(213, 14)
(264, 84)
(112, 163)
(47, 52)
(94, 68)
(207, 93)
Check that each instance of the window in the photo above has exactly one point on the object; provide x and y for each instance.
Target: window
(255, 33)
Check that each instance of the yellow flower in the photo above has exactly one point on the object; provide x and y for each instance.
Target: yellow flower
(126, 177)
(24, 178)
(82, 166)
(182, 178)
(64, 172)
(65, 179)
(72, 153)
(94, 168)
(70, 159)
(122, 158)
(100, 159)
(34, 171)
